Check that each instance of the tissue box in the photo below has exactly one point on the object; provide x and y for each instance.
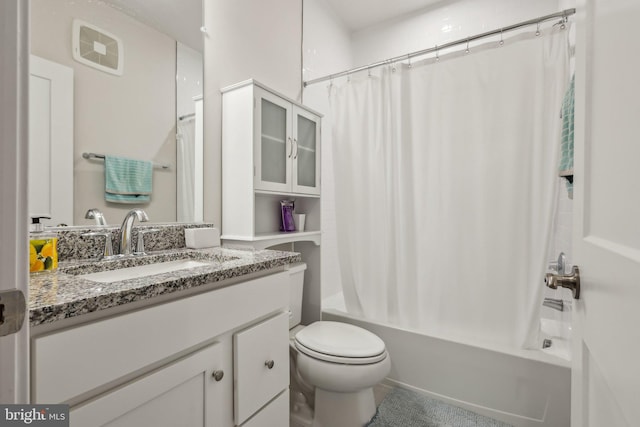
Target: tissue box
(198, 238)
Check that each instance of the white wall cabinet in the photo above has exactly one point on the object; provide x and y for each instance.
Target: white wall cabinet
(285, 142)
(270, 152)
(161, 365)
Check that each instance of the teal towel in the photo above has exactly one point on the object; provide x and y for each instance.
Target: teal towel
(127, 180)
(566, 142)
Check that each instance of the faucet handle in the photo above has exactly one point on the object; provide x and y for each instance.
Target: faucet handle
(108, 245)
(140, 244)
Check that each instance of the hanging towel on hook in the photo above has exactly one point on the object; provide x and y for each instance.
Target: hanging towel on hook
(127, 180)
(566, 141)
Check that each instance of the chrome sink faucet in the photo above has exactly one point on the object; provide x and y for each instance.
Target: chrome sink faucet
(94, 213)
(127, 225)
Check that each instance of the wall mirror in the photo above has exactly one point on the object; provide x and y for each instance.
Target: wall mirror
(150, 111)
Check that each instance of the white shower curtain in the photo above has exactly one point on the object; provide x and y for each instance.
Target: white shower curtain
(186, 140)
(445, 179)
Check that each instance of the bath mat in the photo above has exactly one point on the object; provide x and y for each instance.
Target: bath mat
(405, 408)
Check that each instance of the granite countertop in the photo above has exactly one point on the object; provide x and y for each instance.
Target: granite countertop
(64, 294)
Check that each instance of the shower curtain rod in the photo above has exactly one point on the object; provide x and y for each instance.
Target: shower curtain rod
(564, 15)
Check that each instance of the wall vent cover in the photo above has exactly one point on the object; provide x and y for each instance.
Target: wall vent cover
(97, 48)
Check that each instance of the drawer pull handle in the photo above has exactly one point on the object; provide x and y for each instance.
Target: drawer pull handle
(217, 375)
(269, 364)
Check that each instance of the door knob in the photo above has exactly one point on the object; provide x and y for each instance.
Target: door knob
(570, 281)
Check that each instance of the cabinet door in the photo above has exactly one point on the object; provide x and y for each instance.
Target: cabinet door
(261, 365)
(306, 152)
(184, 393)
(273, 145)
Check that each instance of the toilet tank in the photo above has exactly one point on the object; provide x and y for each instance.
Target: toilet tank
(296, 285)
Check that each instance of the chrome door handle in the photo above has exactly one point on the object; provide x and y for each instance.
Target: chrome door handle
(269, 364)
(290, 147)
(570, 281)
(295, 141)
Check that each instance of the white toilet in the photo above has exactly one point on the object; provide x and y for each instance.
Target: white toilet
(337, 362)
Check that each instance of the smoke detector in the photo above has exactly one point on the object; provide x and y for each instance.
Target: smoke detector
(97, 48)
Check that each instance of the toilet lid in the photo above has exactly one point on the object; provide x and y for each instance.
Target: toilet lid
(335, 341)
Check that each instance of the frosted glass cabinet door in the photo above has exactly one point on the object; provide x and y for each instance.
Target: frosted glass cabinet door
(306, 152)
(273, 143)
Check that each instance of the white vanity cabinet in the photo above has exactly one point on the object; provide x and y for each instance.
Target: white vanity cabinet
(175, 363)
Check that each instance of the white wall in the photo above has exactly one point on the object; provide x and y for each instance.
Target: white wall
(453, 20)
(132, 115)
(329, 47)
(258, 39)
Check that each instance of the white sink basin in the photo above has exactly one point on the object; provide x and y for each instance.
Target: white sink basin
(141, 271)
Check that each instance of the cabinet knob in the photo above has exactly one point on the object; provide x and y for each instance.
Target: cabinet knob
(269, 364)
(217, 375)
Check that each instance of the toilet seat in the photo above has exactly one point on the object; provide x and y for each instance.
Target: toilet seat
(339, 342)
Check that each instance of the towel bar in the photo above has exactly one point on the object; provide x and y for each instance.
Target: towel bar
(101, 156)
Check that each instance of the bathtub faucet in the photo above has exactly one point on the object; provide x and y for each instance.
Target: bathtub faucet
(570, 281)
(556, 304)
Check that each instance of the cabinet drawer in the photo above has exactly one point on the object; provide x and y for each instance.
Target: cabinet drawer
(261, 365)
(275, 413)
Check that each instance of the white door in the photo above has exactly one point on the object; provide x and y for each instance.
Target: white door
(51, 141)
(606, 365)
(14, 51)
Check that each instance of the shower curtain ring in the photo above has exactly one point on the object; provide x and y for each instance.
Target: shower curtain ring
(501, 39)
(467, 49)
(538, 30)
(437, 54)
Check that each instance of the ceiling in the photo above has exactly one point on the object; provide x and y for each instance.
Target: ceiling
(180, 20)
(359, 14)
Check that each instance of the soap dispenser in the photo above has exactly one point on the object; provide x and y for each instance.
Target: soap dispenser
(43, 247)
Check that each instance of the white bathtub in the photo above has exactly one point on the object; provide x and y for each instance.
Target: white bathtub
(524, 388)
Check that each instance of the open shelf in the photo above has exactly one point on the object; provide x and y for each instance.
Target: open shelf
(266, 240)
